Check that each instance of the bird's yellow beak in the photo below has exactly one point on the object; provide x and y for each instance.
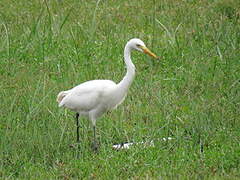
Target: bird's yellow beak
(147, 51)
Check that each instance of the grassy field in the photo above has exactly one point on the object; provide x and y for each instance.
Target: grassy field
(191, 94)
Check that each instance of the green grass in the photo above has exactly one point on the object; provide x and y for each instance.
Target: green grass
(191, 94)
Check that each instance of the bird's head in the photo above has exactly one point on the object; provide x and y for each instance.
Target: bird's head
(139, 45)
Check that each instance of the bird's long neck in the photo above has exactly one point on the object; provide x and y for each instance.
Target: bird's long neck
(128, 78)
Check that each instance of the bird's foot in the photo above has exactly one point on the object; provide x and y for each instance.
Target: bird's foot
(75, 145)
(95, 147)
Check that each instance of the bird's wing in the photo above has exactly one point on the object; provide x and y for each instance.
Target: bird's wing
(86, 96)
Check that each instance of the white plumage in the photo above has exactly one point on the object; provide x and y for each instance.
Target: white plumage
(93, 98)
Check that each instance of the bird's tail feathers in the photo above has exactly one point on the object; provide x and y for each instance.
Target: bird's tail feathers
(60, 96)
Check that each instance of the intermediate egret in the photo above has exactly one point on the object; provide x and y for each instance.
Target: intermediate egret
(93, 98)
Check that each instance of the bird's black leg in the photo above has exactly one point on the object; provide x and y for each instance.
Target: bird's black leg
(94, 134)
(77, 116)
(95, 144)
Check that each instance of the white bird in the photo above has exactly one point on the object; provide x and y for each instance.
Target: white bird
(93, 98)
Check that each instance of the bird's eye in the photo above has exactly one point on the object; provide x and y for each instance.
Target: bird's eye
(138, 45)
